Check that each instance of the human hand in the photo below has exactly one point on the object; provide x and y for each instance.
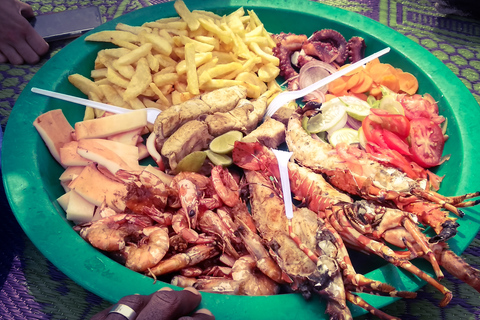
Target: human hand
(19, 42)
(165, 304)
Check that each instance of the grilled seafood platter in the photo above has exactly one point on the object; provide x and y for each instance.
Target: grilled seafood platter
(196, 199)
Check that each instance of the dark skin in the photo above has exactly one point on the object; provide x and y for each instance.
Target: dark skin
(19, 42)
(165, 304)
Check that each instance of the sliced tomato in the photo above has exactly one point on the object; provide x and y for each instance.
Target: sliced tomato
(426, 142)
(394, 142)
(417, 106)
(395, 123)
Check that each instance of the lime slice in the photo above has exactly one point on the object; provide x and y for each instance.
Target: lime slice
(390, 104)
(331, 114)
(224, 144)
(355, 107)
(192, 162)
(219, 159)
(361, 138)
(346, 135)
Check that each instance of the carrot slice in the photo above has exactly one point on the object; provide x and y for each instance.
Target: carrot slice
(353, 81)
(369, 65)
(408, 83)
(337, 86)
(362, 96)
(391, 81)
(363, 86)
(375, 91)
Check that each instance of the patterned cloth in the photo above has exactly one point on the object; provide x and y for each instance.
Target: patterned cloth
(32, 288)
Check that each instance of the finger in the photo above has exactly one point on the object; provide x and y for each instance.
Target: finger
(3, 59)
(201, 314)
(38, 45)
(11, 55)
(136, 302)
(170, 305)
(27, 52)
(25, 9)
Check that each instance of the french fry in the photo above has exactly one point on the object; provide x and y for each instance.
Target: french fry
(98, 73)
(199, 46)
(218, 71)
(185, 14)
(192, 77)
(162, 25)
(115, 78)
(161, 79)
(160, 44)
(223, 35)
(140, 80)
(109, 36)
(268, 57)
(112, 96)
(160, 94)
(132, 29)
(84, 84)
(268, 72)
(153, 63)
(134, 55)
(200, 58)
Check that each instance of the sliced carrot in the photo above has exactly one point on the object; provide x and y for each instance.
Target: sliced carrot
(371, 64)
(337, 86)
(407, 82)
(375, 91)
(390, 81)
(362, 96)
(363, 86)
(353, 81)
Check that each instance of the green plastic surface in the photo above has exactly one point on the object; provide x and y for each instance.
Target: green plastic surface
(31, 175)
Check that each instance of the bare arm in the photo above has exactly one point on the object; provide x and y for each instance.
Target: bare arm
(19, 42)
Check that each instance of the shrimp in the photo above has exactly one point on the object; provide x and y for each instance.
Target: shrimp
(191, 257)
(109, 233)
(150, 251)
(252, 283)
(225, 186)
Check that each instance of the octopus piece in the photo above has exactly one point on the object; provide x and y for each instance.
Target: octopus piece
(356, 49)
(328, 45)
(286, 46)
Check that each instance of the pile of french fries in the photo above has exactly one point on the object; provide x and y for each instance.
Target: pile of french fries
(171, 60)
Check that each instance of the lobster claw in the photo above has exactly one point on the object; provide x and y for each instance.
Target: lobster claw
(449, 230)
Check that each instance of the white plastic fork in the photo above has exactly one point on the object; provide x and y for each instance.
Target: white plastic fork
(287, 96)
(282, 158)
(152, 113)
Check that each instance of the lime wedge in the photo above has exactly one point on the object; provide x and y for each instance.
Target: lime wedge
(192, 162)
(355, 107)
(346, 135)
(361, 138)
(219, 159)
(331, 114)
(390, 104)
(224, 144)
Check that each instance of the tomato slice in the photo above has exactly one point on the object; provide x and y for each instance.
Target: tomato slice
(395, 123)
(395, 143)
(373, 132)
(417, 106)
(426, 140)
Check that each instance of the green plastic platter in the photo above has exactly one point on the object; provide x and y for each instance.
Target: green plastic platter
(31, 175)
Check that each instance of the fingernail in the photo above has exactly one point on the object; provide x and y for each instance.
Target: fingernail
(204, 311)
(166, 289)
(192, 290)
